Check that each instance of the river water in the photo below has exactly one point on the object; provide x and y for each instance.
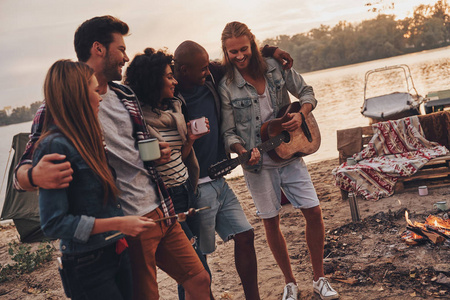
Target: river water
(340, 95)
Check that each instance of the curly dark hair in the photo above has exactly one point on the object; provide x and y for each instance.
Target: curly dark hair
(145, 76)
(98, 29)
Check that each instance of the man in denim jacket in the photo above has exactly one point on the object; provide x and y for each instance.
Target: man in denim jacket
(252, 93)
(242, 120)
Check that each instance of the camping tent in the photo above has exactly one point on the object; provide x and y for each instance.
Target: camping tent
(22, 207)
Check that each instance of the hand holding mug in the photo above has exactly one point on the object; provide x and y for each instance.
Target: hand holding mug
(149, 149)
(198, 128)
(154, 150)
(165, 152)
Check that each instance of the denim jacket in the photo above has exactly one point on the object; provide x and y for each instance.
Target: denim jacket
(69, 214)
(241, 114)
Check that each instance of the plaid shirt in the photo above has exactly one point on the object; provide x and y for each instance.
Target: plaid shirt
(27, 156)
(130, 102)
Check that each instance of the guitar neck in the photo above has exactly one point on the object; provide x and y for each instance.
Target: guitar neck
(268, 145)
(224, 167)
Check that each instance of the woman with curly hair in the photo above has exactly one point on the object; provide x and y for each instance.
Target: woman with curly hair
(151, 77)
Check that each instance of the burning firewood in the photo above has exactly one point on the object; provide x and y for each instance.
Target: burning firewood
(434, 229)
(433, 237)
(410, 238)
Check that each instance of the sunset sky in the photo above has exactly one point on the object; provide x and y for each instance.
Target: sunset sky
(34, 34)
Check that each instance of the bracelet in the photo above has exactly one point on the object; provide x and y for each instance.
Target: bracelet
(30, 177)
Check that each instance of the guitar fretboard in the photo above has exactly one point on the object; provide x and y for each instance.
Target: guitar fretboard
(268, 145)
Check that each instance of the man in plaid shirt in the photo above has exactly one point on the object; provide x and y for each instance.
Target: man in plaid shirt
(99, 43)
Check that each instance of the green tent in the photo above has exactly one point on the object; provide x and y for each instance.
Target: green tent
(22, 207)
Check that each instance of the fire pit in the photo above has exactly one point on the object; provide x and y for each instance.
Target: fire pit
(435, 230)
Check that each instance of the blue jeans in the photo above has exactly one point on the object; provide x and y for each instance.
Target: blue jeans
(98, 275)
(183, 198)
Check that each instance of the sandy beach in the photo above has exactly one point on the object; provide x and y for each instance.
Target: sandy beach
(365, 260)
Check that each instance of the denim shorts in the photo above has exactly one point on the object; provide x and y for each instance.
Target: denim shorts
(225, 216)
(266, 185)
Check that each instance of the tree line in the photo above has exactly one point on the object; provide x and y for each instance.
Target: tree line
(343, 44)
(381, 37)
(19, 114)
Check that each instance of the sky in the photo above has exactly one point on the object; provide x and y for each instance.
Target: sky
(36, 33)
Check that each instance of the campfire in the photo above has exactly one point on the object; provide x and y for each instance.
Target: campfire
(435, 230)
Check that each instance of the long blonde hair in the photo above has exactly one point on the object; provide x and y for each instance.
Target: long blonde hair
(66, 91)
(257, 66)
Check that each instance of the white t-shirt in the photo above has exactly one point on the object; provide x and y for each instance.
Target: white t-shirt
(265, 106)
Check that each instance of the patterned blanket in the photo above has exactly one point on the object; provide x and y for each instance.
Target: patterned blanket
(397, 148)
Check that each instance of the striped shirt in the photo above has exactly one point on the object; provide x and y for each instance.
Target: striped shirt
(174, 172)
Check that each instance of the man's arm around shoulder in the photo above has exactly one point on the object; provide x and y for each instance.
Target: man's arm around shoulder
(46, 174)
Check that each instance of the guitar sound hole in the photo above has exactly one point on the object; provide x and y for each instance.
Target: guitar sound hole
(286, 137)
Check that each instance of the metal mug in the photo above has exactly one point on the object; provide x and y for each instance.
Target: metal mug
(423, 190)
(351, 161)
(149, 149)
(442, 205)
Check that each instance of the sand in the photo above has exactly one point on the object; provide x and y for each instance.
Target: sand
(366, 260)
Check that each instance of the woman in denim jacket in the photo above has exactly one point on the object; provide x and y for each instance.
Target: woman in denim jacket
(252, 93)
(85, 215)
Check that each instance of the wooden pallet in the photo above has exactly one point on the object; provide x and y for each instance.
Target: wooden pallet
(435, 173)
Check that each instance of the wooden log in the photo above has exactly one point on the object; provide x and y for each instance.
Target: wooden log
(435, 230)
(431, 236)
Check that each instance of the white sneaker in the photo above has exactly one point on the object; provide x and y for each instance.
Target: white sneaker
(324, 289)
(290, 291)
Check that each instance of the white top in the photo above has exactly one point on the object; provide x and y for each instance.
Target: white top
(265, 105)
(266, 108)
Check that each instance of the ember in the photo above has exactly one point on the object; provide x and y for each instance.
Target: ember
(435, 229)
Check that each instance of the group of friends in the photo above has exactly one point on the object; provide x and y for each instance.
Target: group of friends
(104, 203)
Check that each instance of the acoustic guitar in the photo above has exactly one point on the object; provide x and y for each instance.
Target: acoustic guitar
(279, 144)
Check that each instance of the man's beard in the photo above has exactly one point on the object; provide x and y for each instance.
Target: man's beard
(110, 69)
